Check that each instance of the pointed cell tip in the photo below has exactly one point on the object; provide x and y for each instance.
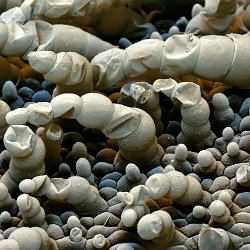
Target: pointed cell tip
(42, 61)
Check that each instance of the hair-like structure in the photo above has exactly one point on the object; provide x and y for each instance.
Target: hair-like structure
(75, 191)
(54, 9)
(157, 227)
(28, 238)
(184, 190)
(71, 72)
(27, 156)
(33, 214)
(179, 55)
(145, 98)
(133, 128)
(196, 128)
(52, 137)
(214, 19)
(20, 39)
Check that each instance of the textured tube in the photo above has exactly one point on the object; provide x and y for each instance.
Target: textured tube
(71, 72)
(217, 58)
(215, 18)
(196, 129)
(18, 40)
(145, 98)
(28, 238)
(65, 9)
(27, 156)
(32, 213)
(75, 191)
(133, 128)
(52, 137)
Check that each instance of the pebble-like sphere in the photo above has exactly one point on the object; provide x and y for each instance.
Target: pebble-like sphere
(128, 217)
(199, 212)
(220, 101)
(205, 158)
(225, 197)
(217, 208)
(133, 172)
(233, 149)
(83, 167)
(181, 152)
(73, 221)
(79, 150)
(228, 134)
(5, 217)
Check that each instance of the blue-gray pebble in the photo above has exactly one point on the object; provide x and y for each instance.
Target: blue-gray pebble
(9, 92)
(33, 84)
(41, 96)
(244, 108)
(26, 93)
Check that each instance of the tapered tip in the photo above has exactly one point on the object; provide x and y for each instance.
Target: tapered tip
(42, 61)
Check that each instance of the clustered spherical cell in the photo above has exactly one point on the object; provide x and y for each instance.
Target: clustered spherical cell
(124, 125)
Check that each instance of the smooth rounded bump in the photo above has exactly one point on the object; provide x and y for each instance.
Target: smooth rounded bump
(129, 217)
(99, 241)
(217, 208)
(27, 186)
(75, 234)
(181, 152)
(42, 61)
(199, 212)
(158, 185)
(17, 117)
(243, 175)
(205, 158)
(149, 227)
(233, 149)
(19, 140)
